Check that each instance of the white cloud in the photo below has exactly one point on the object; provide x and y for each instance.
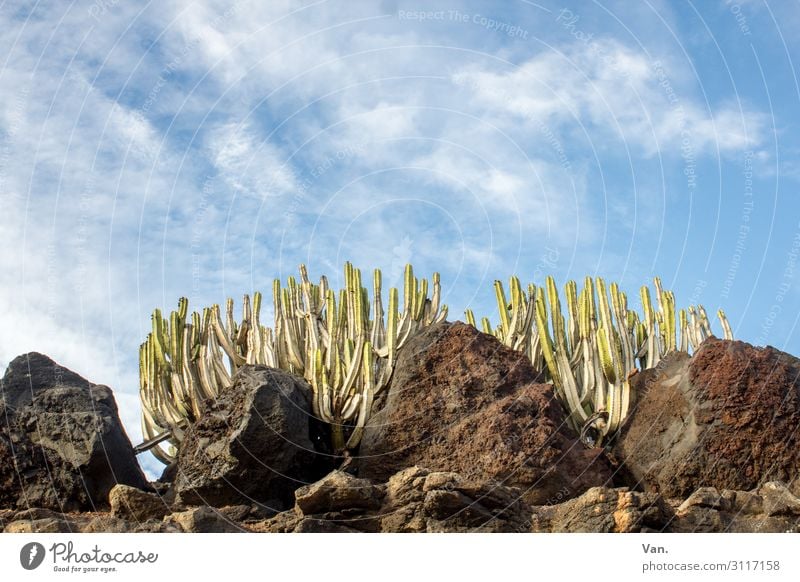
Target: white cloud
(610, 91)
(248, 165)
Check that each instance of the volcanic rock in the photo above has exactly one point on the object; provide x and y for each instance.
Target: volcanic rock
(62, 445)
(725, 418)
(251, 444)
(462, 402)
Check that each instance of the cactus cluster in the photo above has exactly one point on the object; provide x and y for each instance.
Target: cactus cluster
(343, 344)
(590, 354)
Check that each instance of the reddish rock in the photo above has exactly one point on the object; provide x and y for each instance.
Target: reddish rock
(725, 418)
(460, 401)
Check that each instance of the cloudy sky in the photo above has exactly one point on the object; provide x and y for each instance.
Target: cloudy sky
(202, 148)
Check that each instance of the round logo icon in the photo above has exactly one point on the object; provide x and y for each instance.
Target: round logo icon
(31, 555)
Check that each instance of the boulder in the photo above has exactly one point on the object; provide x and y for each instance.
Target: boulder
(136, 505)
(202, 519)
(772, 508)
(251, 444)
(462, 402)
(336, 492)
(604, 510)
(725, 418)
(413, 500)
(62, 445)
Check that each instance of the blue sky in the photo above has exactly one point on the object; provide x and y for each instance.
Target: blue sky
(153, 150)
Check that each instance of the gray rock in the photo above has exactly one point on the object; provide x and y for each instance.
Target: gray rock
(202, 520)
(772, 508)
(136, 505)
(251, 445)
(414, 500)
(62, 445)
(338, 491)
(604, 510)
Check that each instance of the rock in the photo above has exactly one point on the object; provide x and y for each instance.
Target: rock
(202, 520)
(39, 520)
(236, 513)
(771, 508)
(49, 525)
(62, 445)
(706, 497)
(460, 401)
(336, 492)
(777, 499)
(604, 510)
(136, 505)
(251, 444)
(109, 524)
(414, 500)
(724, 418)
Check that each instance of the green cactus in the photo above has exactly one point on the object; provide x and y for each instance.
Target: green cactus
(346, 351)
(590, 356)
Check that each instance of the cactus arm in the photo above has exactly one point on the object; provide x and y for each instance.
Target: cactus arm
(726, 326)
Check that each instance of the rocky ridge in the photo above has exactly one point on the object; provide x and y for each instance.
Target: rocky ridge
(466, 439)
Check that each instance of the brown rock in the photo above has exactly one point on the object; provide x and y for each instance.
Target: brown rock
(777, 499)
(136, 505)
(604, 510)
(41, 525)
(338, 491)
(414, 500)
(202, 520)
(725, 418)
(772, 508)
(706, 497)
(461, 401)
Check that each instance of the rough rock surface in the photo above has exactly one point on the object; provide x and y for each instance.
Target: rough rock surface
(604, 510)
(136, 505)
(772, 508)
(419, 500)
(202, 520)
(62, 445)
(250, 445)
(414, 500)
(725, 418)
(461, 401)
